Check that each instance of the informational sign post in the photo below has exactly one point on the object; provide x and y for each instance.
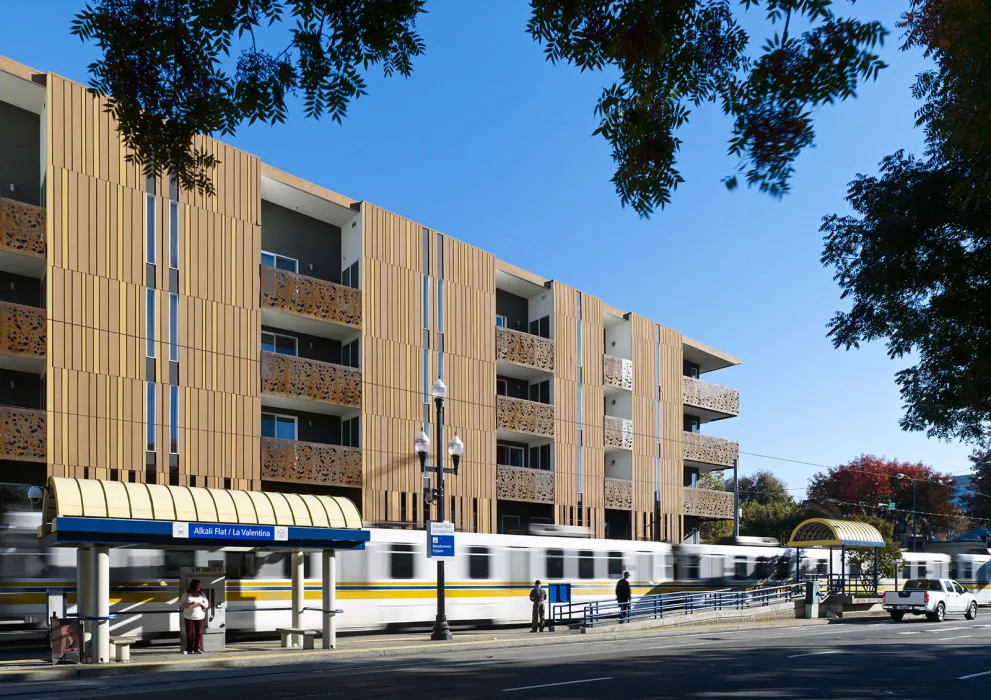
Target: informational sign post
(440, 540)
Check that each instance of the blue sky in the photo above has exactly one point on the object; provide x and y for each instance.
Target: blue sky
(490, 144)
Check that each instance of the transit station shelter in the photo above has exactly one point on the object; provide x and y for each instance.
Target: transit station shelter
(845, 534)
(96, 515)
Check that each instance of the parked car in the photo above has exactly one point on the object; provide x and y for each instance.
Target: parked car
(932, 597)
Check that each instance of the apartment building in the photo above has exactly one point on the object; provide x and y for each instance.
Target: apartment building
(280, 336)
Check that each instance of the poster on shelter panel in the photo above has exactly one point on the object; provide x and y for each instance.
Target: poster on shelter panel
(66, 639)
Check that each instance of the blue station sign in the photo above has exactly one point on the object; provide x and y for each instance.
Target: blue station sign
(440, 540)
(214, 531)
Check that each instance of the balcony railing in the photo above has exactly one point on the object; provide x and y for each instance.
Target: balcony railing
(619, 494)
(705, 503)
(619, 433)
(520, 484)
(22, 228)
(714, 397)
(617, 372)
(308, 296)
(23, 434)
(524, 349)
(310, 463)
(23, 331)
(522, 416)
(708, 449)
(300, 378)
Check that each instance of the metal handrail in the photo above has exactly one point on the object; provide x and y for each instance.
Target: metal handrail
(659, 605)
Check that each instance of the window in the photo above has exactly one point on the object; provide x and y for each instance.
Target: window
(150, 233)
(426, 302)
(615, 564)
(280, 261)
(174, 235)
(692, 424)
(502, 387)
(509, 524)
(783, 568)
(555, 563)
(351, 432)
(478, 562)
(349, 276)
(541, 327)
(401, 561)
(282, 344)
(509, 455)
(966, 570)
(440, 306)
(174, 420)
(150, 416)
(276, 426)
(762, 570)
(541, 391)
(920, 570)
(958, 588)
(692, 567)
(586, 564)
(150, 322)
(741, 568)
(690, 369)
(501, 321)
(351, 353)
(173, 327)
(540, 457)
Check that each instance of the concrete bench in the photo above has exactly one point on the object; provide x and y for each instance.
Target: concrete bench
(308, 635)
(122, 648)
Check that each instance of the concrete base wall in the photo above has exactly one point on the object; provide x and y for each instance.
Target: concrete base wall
(777, 611)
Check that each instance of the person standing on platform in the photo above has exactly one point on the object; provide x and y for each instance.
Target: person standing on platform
(623, 597)
(194, 606)
(538, 596)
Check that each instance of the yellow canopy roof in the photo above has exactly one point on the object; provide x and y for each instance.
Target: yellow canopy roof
(94, 498)
(821, 532)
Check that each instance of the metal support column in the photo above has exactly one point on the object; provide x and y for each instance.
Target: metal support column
(877, 575)
(736, 498)
(843, 569)
(298, 588)
(84, 598)
(329, 599)
(101, 597)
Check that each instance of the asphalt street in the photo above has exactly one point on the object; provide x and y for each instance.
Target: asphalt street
(853, 659)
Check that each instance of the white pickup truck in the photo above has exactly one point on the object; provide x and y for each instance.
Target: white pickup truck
(932, 597)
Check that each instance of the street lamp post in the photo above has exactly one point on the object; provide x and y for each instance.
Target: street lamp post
(915, 512)
(441, 630)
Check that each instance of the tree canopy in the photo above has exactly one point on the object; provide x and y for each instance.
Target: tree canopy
(977, 502)
(855, 489)
(176, 68)
(914, 258)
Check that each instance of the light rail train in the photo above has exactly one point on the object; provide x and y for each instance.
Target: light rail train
(392, 583)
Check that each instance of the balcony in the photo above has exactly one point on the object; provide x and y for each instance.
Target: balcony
(521, 484)
(522, 416)
(619, 433)
(22, 435)
(705, 503)
(310, 380)
(23, 336)
(617, 372)
(524, 349)
(312, 298)
(713, 400)
(619, 494)
(22, 229)
(310, 463)
(708, 452)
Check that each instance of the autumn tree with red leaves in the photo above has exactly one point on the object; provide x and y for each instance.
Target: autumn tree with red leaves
(856, 489)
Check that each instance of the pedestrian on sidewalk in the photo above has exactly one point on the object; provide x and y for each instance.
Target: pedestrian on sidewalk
(538, 596)
(194, 606)
(623, 597)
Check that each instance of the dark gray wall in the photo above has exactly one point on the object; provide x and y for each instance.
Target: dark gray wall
(20, 154)
(312, 427)
(18, 289)
(312, 242)
(515, 309)
(313, 347)
(21, 389)
(516, 388)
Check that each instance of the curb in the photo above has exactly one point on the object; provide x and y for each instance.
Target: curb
(13, 678)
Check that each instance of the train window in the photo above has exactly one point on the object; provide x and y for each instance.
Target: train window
(741, 568)
(555, 563)
(240, 565)
(478, 562)
(822, 568)
(175, 560)
(966, 570)
(586, 564)
(762, 569)
(615, 565)
(691, 566)
(783, 568)
(401, 561)
(920, 570)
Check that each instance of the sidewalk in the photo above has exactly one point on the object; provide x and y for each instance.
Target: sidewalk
(20, 668)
